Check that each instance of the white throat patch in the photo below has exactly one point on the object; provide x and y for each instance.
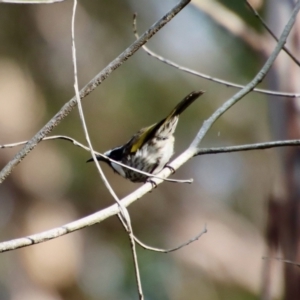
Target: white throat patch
(118, 169)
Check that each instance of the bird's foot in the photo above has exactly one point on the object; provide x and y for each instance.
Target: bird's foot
(153, 183)
(169, 167)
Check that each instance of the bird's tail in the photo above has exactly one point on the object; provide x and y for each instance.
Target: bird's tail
(184, 104)
(150, 131)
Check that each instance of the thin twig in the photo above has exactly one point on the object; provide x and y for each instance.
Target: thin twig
(76, 143)
(81, 114)
(98, 79)
(201, 151)
(283, 260)
(128, 227)
(123, 210)
(204, 76)
(146, 173)
(288, 52)
(196, 238)
(247, 147)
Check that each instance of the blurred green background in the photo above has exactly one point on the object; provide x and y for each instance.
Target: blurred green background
(54, 185)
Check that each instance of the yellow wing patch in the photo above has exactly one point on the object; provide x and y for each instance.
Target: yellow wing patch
(141, 139)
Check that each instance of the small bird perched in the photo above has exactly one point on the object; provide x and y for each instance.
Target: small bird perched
(151, 148)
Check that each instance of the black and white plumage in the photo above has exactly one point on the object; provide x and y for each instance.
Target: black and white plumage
(151, 148)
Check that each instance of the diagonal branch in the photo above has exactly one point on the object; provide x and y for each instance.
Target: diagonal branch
(96, 81)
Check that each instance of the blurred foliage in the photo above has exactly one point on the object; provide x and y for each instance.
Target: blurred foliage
(241, 9)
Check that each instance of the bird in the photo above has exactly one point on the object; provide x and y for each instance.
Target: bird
(151, 148)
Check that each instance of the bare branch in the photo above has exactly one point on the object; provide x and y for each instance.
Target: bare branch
(257, 146)
(68, 107)
(204, 76)
(128, 227)
(288, 52)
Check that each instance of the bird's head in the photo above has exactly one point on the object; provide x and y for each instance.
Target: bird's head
(115, 154)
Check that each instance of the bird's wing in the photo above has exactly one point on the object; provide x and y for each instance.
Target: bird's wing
(143, 136)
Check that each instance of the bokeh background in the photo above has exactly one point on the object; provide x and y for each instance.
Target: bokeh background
(231, 193)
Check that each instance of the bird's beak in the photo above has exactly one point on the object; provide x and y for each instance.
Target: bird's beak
(99, 158)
